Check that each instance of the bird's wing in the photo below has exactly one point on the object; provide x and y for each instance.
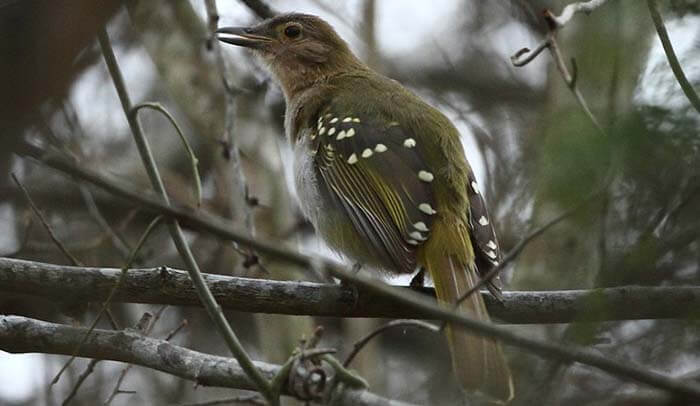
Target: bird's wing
(487, 251)
(374, 171)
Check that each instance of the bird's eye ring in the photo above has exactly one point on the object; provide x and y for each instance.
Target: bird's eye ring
(292, 31)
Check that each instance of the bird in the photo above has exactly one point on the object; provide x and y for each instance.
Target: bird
(383, 178)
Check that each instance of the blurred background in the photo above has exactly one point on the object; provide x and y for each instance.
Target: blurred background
(534, 151)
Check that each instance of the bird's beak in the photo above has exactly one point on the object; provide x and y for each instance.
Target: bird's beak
(241, 36)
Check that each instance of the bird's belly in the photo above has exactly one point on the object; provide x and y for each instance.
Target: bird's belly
(329, 219)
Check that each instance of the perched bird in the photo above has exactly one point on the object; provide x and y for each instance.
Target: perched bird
(382, 176)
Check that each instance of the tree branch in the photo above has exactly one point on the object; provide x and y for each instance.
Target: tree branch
(260, 8)
(170, 286)
(671, 56)
(23, 335)
(176, 233)
(413, 302)
(573, 8)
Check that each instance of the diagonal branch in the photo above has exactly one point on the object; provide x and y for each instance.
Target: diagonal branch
(40, 215)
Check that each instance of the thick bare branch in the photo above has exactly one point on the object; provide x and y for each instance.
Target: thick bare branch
(171, 286)
(23, 335)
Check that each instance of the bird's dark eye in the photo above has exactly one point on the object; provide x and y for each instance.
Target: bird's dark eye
(292, 31)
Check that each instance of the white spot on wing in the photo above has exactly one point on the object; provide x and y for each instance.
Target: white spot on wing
(367, 153)
(350, 133)
(352, 159)
(420, 226)
(331, 131)
(409, 143)
(355, 120)
(491, 254)
(334, 120)
(380, 148)
(491, 244)
(341, 135)
(475, 187)
(322, 131)
(426, 208)
(347, 119)
(417, 236)
(425, 176)
(483, 221)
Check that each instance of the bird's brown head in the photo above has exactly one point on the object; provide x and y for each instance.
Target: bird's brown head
(299, 49)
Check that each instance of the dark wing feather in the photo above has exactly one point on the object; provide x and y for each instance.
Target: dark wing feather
(487, 251)
(372, 172)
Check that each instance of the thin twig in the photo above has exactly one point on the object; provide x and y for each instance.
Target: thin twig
(529, 55)
(194, 162)
(570, 80)
(361, 343)
(213, 309)
(45, 223)
(79, 382)
(555, 22)
(176, 330)
(671, 55)
(96, 214)
(145, 326)
(114, 288)
(515, 251)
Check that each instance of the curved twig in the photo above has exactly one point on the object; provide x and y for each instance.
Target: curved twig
(671, 56)
(550, 42)
(516, 60)
(194, 162)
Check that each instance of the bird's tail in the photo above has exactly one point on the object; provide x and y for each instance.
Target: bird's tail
(478, 361)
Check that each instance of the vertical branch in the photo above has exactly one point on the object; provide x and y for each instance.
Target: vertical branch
(231, 153)
(205, 295)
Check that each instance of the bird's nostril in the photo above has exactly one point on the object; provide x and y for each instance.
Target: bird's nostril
(248, 30)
